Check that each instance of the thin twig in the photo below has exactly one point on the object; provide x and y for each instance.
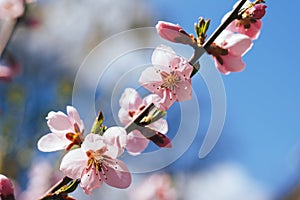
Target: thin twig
(233, 15)
(200, 50)
(57, 186)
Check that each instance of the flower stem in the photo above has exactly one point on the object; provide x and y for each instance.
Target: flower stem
(134, 124)
(54, 188)
(199, 50)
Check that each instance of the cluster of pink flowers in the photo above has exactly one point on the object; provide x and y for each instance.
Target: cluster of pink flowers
(93, 158)
(229, 47)
(157, 186)
(94, 161)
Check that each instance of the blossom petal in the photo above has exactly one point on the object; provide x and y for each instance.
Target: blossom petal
(90, 180)
(74, 117)
(160, 125)
(136, 143)
(74, 163)
(59, 122)
(11, 9)
(124, 116)
(237, 43)
(130, 99)
(185, 68)
(93, 142)
(162, 56)
(117, 175)
(253, 32)
(231, 64)
(117, 137)
(168, 98)
(184, 90)
(52, 142)
(151, 79)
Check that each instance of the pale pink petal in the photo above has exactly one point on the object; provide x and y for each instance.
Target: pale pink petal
(11, 9)
(160, 125)
(130, 99)
(124, 116)
(151, 98)
(93, 142)
(52, 142)
(238, 44)
(222, 68)
(117, 175)
(173, 33)
(59, 122)
(232, 26)
(136, 143)
(117, 137)
(167, 100)
(162, 56)
(184, 90)
(231, 64)
(5, 73)
(254, 30)
(74, 117)
(74, 163)
(156, 100)
(185, 69)
(90, 180)
(151, 79)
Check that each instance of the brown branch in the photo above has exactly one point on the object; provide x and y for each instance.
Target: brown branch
(64, 181)
(199, 50)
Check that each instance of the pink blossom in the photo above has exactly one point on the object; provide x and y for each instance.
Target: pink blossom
(252, 30)
(257, 11)
(173, 33)
(131, 105)
(94, 163)
(250, 23)
(7, 73)
(169, 77)
(11, 9)
(157, 186)
(227, 51)
(66, 131)
(40, 180)
(6, 188)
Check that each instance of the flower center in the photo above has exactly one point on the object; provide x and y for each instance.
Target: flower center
(97, 163)
(75, 138)
(170, 81)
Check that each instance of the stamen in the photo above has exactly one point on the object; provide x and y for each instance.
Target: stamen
(170, 81)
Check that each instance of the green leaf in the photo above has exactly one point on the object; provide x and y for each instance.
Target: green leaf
(97, 127)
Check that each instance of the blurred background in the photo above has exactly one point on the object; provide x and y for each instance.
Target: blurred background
(257, 156)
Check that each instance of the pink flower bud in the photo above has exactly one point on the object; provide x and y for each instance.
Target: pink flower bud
(173, 33)
(258, 11)
(11, 9)
(6, 188)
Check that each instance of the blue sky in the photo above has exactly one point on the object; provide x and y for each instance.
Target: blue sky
(263, 115)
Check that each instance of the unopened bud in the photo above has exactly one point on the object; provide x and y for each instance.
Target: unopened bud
(173, 33)
(6, 188)
(257, 11)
